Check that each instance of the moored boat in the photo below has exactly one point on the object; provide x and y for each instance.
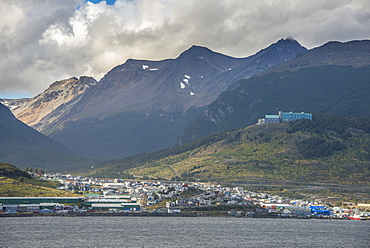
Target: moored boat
(356, 217)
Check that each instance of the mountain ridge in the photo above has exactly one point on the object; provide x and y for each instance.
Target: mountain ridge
(309, 79)
(161, 96)
(142, 106)
(34, 111)
(354, 53)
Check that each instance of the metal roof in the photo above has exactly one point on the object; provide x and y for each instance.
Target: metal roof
(272, 116)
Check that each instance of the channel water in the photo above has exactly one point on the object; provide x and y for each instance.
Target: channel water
(181, 232)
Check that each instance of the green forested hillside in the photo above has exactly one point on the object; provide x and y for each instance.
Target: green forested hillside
(330, 148)
(8, 170)
(17, 183)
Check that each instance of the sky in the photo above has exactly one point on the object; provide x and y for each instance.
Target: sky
(48, 40)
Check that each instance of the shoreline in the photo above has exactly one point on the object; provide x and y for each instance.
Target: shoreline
(105, 214)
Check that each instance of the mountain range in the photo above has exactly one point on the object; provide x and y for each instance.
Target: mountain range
(141, 105)
(333, 78)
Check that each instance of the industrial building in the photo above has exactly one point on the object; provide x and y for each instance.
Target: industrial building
(110, 202)
(284, 117)
(319, 211)
(38, 200)
(32, 204)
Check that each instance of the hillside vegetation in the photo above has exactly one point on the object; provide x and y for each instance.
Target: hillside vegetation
(8, 170)
(328, 149)
(17, 183)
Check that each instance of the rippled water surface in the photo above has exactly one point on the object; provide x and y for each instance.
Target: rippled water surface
(181, 232)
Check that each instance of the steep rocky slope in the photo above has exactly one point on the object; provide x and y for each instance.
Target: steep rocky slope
(50, 105)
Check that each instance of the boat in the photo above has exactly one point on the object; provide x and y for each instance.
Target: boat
(356, 217)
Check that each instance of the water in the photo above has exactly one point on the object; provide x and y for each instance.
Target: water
(181, 232)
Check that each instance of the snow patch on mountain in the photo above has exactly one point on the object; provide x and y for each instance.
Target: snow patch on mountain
(146, 67)
(6, 103)
(185, 80)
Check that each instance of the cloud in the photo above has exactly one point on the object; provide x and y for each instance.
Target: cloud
(44, 41)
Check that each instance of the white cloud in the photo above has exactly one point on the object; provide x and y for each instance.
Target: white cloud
(44, 41)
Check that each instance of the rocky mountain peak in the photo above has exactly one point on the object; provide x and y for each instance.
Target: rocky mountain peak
(200, 53)
(289, 46)
(195, 51)
(287, 40)
(32, 111)
(63, 82)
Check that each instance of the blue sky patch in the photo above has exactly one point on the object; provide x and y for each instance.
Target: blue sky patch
(109, 2)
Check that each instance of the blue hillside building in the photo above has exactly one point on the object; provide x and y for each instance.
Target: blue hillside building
(284, 117)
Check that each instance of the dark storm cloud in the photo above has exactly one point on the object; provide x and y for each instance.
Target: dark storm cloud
(43, 41)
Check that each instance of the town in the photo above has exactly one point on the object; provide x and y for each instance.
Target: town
(118, 196)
